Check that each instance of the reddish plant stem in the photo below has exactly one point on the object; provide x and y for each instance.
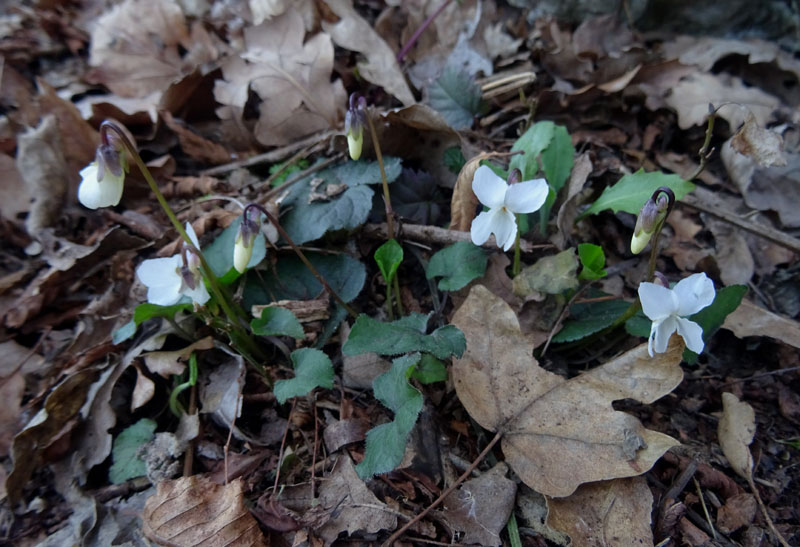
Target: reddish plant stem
(423, 27)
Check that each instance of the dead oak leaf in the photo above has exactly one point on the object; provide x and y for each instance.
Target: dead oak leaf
(135, 48)
(610, 513)
(291, 76)
(195, 511)
(558, 433)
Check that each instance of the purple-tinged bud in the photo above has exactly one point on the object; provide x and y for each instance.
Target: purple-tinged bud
(660, 279)
(514, 176)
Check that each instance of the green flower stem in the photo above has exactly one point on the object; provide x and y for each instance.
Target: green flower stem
(651, 265)
(517, 258)
(239, 336)
(397, 298)
(302, 257)
(389, 307)
(386, 199)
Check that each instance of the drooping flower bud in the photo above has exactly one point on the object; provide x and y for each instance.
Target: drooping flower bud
(354, 121)
(652, 213)
(102, 180)
(514, 176)
(245, 241)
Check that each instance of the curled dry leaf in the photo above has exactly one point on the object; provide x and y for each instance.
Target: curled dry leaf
(736, 430)
(480, 507)
(195, 511)
(167, 363)
(464, 200)
(612, 513)
(558, 433)
(763, 145)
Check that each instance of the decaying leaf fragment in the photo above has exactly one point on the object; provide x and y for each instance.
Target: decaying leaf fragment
(614, 513)
(558, 433)
(195, 511)
(480, 507)
(736, 430)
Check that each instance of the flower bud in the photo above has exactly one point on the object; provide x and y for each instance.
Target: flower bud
(354, 121)
(649, 217)
(660, 279)
(243, 247)
(514, 176)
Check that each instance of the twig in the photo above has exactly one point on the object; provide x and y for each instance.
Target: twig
(440, 236)
(283, 445)
(230, 434)
(557, 324)
(765, 232)
(394, 537)
(272, 156)
(705, 508)
(764, 511)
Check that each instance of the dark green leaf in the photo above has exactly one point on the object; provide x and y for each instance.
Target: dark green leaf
(430, 370)
(347, 211)
(219, 254)
(557, 160)
(711, 318)
(457, 264)
(276, 321)
(638, 325)
(312, 369)
(386, 443)
(454, 159)
(589, 318)
(401, 336)
(291, 280)
(389, 256)
(532, 143)
(127, 464)
(456, 96)
(630, 193)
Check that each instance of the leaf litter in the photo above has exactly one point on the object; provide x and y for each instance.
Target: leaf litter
(594, 427)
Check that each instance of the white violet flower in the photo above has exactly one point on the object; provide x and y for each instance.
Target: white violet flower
(100, 187)
(165, 280)
(504, 201)
(668, 308)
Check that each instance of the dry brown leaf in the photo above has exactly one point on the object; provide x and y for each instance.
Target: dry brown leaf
(738, 511)
(750, 319)
(40, 161)
(143, 391)
(55, 418)
(690, 98)
(167, 363)
(568, 211)
(351, 505)
(135, 48)
(358, 371)
(353, 32)
(291, 75)
(705, 51)
(763, 145)
(480, 507)
(464, 201)
(14, 197)
(11, 390)
(733, 256)
(196, 146)
(736, 430)
(194, 511)
(610, 513)
(558, 433)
